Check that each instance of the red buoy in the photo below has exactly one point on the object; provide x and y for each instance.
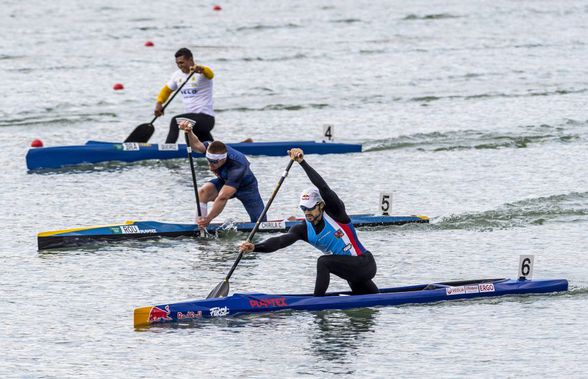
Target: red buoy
(37, 143)
(216, 8)
(118, 87)
(149, 44)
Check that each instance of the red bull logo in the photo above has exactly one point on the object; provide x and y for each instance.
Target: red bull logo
(159, 315)
(188, 315)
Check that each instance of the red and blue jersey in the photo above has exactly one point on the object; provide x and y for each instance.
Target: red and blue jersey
(336, 238)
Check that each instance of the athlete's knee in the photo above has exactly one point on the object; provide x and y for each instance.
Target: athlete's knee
(172, 135)
(370, 287)
(322, 263)
(207, 192)
(363, 288)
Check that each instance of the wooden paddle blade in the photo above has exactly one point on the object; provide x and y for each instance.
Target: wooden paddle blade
(141, 134)
(221, 290)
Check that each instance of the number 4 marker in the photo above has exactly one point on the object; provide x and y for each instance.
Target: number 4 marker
(328, 133)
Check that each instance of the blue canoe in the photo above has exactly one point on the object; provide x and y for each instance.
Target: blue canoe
(153, 229)
(248, 303)
(96, 152)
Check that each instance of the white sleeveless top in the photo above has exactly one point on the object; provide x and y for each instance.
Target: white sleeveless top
(196, 95)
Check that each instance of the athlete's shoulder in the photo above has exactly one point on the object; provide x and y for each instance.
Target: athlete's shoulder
(236, 155)
(177, 74)
(176, 78)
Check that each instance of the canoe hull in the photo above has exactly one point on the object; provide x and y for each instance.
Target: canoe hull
(249, 303)
(140, 230)
(96, 152)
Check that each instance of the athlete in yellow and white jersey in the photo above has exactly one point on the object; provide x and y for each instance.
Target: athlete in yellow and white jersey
(196, 95)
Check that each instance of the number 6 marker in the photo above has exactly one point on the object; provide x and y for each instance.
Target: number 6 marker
(526, 266)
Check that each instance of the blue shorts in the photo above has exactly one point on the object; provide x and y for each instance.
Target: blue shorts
(249, 196)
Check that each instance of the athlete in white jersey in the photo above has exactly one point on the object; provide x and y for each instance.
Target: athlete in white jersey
(196, 95)
(327, 227)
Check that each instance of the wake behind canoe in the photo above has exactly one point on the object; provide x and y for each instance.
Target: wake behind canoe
(133, 230)
(96, 152)
(249, 303)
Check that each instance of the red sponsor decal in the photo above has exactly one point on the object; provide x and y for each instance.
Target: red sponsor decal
(188, 315)
(339, 233)
(268, 303)
(455, 290)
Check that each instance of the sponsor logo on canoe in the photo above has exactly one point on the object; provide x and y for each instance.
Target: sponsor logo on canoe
(167, 147)
(271, 225)
(159, 315)
(219, 311)
(130, 146)
(473, 288)
(455, 290)
(486, 287)
(268, 303)
(134, 229)
(188, 315)
(129, 229)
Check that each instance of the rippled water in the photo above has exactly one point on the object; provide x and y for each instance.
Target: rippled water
(473, 113)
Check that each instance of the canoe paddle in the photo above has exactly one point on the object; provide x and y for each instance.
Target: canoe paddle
(143, 132)
(222, 289)
(189, 149)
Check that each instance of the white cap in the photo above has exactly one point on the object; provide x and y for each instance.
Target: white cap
(310, 197)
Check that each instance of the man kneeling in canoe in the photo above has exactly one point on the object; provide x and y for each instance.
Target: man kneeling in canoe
(327, 227)
(234, 178)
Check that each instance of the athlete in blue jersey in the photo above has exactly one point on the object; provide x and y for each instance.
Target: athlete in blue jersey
(234, 178)
(327, 227)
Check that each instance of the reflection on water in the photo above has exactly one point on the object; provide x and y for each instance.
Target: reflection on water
(339, 335)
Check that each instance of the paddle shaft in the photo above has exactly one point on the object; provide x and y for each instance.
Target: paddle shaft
(174, 95)
(269, 203)
(189, 149)
(143, 132)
